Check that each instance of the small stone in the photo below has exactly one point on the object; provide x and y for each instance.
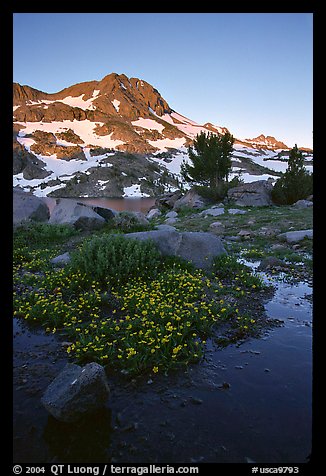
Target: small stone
(61, 260)
(217, 227)
(196, 401)
(236, 211)
(171, 214)
(249, 460)
(244, 233)
(153, 213)
(170, 221)
(234, 238)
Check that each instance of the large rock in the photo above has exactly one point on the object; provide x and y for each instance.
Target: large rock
(256, 193)
(168, 201)
(76, 214)
(128, 219)
(303, 204)
(76, 391)
(214, 211)
(296, 236)
(191, 199)
(198, 247)
(107, 213)
(27, 208)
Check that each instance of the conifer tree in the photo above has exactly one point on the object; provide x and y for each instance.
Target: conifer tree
(210, 159)
(296, 182)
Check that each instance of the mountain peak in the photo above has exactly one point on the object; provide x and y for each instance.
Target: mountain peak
(217, 129)
(266, 141)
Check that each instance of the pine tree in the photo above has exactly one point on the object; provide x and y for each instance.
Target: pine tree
(296, 183)
(210, 159)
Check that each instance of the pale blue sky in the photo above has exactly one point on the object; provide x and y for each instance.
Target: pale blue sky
(250, 72)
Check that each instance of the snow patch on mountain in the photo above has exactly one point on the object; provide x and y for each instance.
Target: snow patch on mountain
(149, 124)
(165, 144)
(79, 102)
(84, 129)
(116, 104)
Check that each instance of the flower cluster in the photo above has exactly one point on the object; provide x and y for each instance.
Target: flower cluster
(145, 322)
(161, 324)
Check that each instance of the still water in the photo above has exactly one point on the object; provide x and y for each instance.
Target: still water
(263, 415)
(117, 204)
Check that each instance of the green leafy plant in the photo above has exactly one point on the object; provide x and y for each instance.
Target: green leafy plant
(127, 222)
(238, 274)
(42, 234)
(116, 258)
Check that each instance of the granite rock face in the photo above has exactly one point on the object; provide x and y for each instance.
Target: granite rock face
(258, 193)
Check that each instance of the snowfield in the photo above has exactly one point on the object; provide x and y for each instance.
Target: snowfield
(84, 129)
(176, 150)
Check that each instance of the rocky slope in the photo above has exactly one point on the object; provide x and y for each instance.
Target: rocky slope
(115, 137)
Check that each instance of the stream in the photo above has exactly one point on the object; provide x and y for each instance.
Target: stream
(242, 404)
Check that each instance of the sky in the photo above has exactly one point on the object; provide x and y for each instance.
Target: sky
(249, 72)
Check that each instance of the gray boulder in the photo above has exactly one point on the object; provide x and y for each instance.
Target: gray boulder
(170, 221)
(171, 214)
(76, 391)
(191, 199)
(106, 213)
(303, 204)
(168, 200)
(213, 211)
(76, 214)
(296, 236)
(171, 218)
(236, 211)
(198, 247)
(61, 260)
(128, 219)
(153, 213)
(217, 227)
(166, 227)
(258, 193)
(28, 207)
(244, 234)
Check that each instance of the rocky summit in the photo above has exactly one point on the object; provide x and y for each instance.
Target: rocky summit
(117, 137)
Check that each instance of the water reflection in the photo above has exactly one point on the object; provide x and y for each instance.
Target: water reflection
(87, 440)
(118, 204)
